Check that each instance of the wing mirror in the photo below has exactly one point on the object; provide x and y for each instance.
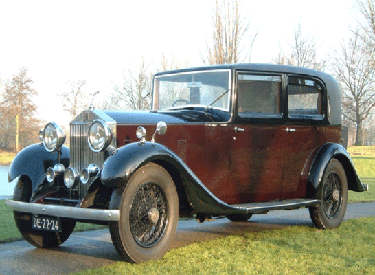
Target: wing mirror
(161, 129)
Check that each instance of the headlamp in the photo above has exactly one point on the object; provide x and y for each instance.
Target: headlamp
(53, 137)
(71, 177)
(99, 136)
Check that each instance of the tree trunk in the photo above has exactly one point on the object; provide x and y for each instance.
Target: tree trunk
(358, 135)
(17, 133)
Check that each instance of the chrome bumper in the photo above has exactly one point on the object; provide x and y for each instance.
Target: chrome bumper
(64, 211)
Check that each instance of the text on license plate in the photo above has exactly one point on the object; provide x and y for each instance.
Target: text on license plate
(45, 223)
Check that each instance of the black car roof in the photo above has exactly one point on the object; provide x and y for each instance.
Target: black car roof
(333, 89)
(255, 67)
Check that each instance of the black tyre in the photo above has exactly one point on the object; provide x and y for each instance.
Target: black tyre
(239, 217)
(23, 222)
(43, 239)
(149, 213)
(333, 193)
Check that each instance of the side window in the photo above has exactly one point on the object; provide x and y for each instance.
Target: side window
(259, 95)
(304, 98)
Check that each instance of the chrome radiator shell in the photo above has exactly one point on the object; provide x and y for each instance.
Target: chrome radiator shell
(80, 154)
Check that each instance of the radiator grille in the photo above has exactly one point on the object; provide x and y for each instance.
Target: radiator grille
(80, 154)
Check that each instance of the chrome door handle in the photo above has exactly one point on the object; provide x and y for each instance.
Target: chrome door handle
(290, 130)
(238, 129)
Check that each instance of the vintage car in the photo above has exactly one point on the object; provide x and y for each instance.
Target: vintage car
(242, 139)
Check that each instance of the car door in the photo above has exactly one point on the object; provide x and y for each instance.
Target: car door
(303, 134)
(256, 153)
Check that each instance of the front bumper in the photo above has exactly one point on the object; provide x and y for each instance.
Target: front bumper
(65, 211)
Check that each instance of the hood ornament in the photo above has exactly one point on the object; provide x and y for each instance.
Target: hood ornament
(92, 95)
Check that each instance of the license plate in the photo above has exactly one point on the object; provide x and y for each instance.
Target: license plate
(46, 223)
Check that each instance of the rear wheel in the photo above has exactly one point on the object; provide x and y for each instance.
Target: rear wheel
(239, 217)
(333, 196)
(149, 213)
(23, 221)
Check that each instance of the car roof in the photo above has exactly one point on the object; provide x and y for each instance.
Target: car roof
(333, 89)
(259, 67)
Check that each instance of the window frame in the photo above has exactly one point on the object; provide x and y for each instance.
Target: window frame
(259, 117)
(284, 116)
(155, 97)
(306, 117)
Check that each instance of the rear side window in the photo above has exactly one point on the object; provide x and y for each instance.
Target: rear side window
(259, 95)
(304, 98)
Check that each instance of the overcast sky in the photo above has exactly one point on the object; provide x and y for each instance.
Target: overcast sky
(99, 41)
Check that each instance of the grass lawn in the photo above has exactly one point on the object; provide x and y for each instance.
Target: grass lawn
(292, 250)
(9, 231)
(6, 157)
(364, 162)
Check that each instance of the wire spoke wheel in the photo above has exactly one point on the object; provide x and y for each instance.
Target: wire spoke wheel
(149, 212)
(333, 196)
(148, 215)
(332, 191)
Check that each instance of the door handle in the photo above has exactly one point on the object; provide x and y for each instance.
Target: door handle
(238, 129)
(290, 130)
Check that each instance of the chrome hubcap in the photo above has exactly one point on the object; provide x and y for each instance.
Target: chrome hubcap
(153, 215)
(336, 195)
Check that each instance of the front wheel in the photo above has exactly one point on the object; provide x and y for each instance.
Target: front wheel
(42, 239)
(23, 221)
(149, 213)
(333, 196)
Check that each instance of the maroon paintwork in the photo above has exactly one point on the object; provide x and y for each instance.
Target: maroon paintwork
(256, 165)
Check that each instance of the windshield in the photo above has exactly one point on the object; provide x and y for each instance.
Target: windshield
(184, 90)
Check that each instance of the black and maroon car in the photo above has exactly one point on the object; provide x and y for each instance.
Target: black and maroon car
(242, 139)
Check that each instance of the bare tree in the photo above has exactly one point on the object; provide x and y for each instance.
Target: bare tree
(167, 64)
(228, 33)
(75, 99)
(302, 53)
(354, 69)
(135, 93)
(367, 9)
(18, 125)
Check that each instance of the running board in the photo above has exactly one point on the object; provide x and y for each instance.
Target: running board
(264, 207)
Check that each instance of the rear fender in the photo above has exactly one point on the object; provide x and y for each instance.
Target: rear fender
(32, 162)
(320, 162)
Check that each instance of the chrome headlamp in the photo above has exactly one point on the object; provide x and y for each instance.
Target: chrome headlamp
(52, 173)
(53, 137)
(99, 136)
(71, 177)
(91, 171)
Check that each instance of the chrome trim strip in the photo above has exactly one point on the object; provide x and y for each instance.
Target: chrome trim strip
(64, 211)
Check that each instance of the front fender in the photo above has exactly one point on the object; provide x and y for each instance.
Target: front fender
(33, 161)
(320, 162)
(118, 169)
